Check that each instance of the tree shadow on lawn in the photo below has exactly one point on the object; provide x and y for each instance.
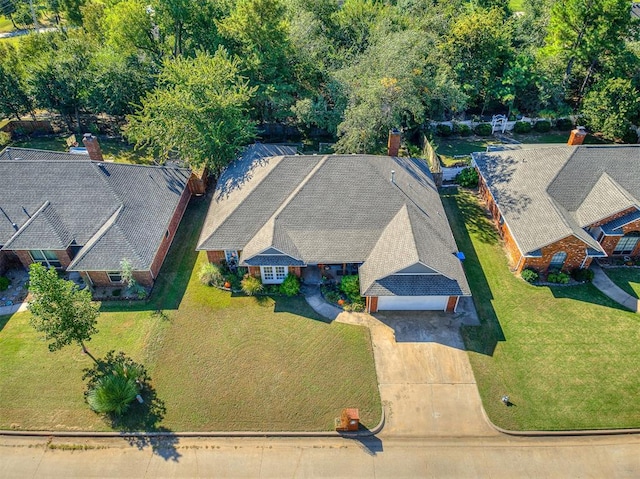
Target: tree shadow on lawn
(4, 320)
(282, 304)
(465, 216)
(586, 293)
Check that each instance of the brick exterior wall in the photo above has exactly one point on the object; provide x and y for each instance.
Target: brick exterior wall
(215, 257)
(295, 270)
(173, 227)
(254, 271)
(452, 303)
(371, 304)
(100, 278)
(64, 256)
(609, 242)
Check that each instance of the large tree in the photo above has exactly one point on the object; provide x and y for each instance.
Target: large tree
(611, 108)
(198, 111)
(583, 33)
(60, 309)
(14, 99)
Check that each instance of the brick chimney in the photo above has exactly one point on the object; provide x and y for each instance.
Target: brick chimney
(394, 142)
(93, 147)
(577, 136)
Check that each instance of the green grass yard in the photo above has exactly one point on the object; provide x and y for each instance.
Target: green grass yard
(626, 278)
(566, 356)
(5, 24)
(112, 149)
(218, 361)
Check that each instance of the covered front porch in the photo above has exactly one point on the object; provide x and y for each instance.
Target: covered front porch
(322, 273)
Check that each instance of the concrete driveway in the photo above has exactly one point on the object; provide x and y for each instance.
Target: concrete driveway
(425, 379)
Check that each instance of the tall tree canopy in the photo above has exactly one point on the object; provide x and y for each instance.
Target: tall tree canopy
(198, 111)
(59, 309)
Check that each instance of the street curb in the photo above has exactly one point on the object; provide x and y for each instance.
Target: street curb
(221, 434)
(567, 433)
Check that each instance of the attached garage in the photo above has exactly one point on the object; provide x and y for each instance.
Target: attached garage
(412, 303)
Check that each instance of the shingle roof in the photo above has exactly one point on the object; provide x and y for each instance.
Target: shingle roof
(336, 209)
(548, 193)
(112, 210)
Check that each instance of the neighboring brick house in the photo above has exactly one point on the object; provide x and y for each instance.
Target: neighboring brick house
(381, 216)
(74, 214)
(560, 206)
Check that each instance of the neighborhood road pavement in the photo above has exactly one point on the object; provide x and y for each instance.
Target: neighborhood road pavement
(497, 457)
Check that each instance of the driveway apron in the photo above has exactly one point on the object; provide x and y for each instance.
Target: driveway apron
(424, 375)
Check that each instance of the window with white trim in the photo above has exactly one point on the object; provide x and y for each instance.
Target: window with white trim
(273, 274)
(115, 276)
(557, 260)
(627, 243)
(46, 258)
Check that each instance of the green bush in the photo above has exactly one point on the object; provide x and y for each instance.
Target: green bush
(542, 126)
(251, 285)
(564, 124)
(4, 283)
(112, 394)
(290, 286)
(529, 275)
(350, 285)
(332, 296)
(116, 292)
(5, 139)
(461, 129)
(522, 127)
(559, 277)
(483, 129)
(630, 137)
(468, 178)
(443, 130)
(583, 275)
(210, 275)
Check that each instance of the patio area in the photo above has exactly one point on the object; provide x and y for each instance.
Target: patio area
(327, 273)
(17, 290)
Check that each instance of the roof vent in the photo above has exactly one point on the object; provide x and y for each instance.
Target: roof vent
(393, 177)
(15, 226)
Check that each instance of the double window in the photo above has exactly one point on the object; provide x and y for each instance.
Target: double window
(627, 243)
(273, 274)
(46, 258)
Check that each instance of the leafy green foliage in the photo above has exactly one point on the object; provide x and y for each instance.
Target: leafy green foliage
(522, 127)
(461, 129)
(4, 283)
(5, 139)
(468, 178)
(564, 124)
(112, 394)
(198, 111)
(529, 275)
(558, 277)
(582, 275)
(611, 108)
(483, 129)
(290, 286)
(210, 275)
(542, 126)
(251, 285)
(444, 130)
(113, 384)
(59, 309)
(350, 285)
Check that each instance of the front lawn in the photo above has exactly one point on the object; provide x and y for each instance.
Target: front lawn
(566, 356)
(217, 361)
(626, 278)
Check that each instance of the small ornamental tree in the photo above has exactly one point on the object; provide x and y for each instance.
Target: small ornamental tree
(60, 309)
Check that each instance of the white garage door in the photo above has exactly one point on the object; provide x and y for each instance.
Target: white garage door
(412, 303)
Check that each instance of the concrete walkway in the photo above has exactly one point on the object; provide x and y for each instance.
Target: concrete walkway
(424, 375)
(14, 308)
(318, 303)
(609, 288)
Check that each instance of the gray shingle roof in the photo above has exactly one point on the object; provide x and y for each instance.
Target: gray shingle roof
(551, 192)
(112, 210)
(336, 209)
